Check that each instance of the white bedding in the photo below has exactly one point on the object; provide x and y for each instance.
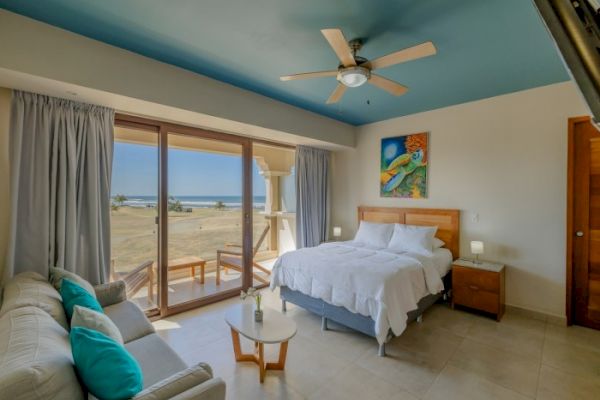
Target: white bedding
(373, 282)
(442, 260)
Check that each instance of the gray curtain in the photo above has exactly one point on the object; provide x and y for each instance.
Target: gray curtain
(312, 204)
(61, 161)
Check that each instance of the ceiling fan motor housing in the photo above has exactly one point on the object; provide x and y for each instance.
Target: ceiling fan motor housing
(353, 76)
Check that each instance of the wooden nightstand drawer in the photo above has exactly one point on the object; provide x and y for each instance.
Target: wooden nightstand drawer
(471, 296)
(475, 279)
(479, 286)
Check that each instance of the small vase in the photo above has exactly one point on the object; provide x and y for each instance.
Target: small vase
(258, 315)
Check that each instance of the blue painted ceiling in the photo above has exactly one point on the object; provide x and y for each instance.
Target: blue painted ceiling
(485, 47)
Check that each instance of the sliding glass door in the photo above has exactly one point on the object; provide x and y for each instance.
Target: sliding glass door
(205, 212)
(197, 215)
(134, 213)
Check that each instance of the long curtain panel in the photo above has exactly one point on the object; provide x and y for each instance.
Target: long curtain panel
(312, 191)
(61, 161)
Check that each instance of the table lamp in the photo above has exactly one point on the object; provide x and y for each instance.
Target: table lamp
(337, 232)
(476, 249)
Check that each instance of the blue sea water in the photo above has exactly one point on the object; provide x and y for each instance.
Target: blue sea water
(195, 201)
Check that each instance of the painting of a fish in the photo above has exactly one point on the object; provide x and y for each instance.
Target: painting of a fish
(404, 166)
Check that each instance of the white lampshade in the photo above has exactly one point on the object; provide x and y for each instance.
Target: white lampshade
(476, 247)
(337, 231)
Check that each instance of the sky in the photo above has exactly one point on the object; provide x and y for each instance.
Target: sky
(191, 173)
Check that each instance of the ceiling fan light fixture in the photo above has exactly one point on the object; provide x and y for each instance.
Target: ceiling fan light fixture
(353, 76)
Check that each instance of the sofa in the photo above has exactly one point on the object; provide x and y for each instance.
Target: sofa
(35, 353)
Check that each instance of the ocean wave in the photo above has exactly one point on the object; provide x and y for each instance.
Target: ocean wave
(189, 204)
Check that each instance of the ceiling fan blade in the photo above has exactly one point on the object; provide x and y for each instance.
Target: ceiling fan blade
(337, 94)
(339, 44)
(389, 86)
(308, 75)
(412, 53)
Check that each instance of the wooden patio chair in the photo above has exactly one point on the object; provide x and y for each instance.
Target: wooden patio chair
(229, 258)
(136, 279)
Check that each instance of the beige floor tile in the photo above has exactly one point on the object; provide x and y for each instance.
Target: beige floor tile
(513, 371)
(574, 359)
(455, 383)
(574, 335)
(435, 344)
(356, 383)
(514, 337)
(344, 343)
(451, 355)
(402, 395)
(403, 367)
(188, 337)
(522, 322)
(557, 385)
(245, 385)
(309, 366)
(308, 323)
(219, 355)
(442, 316)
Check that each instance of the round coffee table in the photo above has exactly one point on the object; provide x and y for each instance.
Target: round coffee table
(275, 328)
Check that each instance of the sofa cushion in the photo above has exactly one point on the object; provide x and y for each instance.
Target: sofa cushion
(177, 383)
(74, 295)
(32, 289)
(91, 319)
(35, 357)
(111, 293)
(157, 359)
(105, 366)
(58, 274)
(130, 320)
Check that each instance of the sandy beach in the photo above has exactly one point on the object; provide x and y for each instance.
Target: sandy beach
(200, 232)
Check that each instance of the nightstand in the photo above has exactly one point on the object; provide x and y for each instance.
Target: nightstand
(479, 286)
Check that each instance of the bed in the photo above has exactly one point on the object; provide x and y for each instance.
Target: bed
(371, 290)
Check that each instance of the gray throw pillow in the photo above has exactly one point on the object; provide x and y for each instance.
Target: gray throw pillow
(57, 275)
(96, 321)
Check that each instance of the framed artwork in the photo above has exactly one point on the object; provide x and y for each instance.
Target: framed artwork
(404, 166)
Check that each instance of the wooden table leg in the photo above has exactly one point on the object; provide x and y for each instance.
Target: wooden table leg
(280, 364)
(202, 273)
(192, 272)
(237, 350)
(261, 361)
(259, 355)
(218, 274)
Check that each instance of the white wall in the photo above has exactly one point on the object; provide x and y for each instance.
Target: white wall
(503, 158)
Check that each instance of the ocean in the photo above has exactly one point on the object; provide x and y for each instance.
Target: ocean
(194, 201)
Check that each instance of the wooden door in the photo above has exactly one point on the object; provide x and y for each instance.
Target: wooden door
(584, 223)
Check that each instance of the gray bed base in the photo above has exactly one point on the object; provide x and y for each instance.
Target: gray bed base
(355, 321)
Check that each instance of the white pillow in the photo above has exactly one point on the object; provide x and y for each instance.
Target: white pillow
(438, 243)
(411, 238)
(96, 321)
(373, 234)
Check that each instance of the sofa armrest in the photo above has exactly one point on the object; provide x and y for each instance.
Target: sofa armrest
(111, 293)
(180, 383)
(213, 389)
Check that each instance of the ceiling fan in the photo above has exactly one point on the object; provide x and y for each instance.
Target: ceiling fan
(355, 71)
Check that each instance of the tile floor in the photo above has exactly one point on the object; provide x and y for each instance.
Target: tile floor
(450, 355)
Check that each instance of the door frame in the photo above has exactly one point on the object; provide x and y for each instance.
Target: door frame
(570, 301)
(163, 129)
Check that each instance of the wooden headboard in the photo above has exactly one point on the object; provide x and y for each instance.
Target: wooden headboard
(447, 221)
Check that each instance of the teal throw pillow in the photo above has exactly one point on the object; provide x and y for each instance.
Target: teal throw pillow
(106, 368)
(74, 295)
